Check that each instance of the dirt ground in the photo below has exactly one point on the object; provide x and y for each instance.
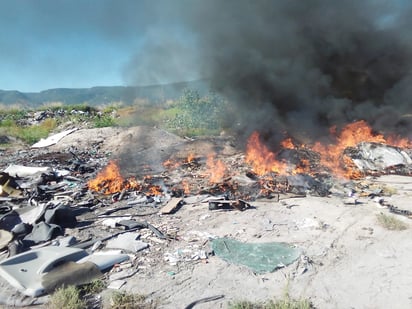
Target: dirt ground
(348, 259)
(353, 261)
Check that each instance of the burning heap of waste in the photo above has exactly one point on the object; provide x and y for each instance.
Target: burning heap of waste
(299, 67)
(327, 77)
(212, 174)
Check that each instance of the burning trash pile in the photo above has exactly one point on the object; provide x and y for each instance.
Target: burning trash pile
(353, 153)
(50, 201)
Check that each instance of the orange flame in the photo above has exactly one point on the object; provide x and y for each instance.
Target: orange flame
(303, 167)
(190, 157)
(170, 164)
(351, 135)
(186, 187)
(216, 169)
(263, 161)
(288, 143)
(154, 190)
(109, 180)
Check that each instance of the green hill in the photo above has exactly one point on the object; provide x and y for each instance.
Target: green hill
(95, 96)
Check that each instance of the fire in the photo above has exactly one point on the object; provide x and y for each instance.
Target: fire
(189, 161)
(190, 157)
(154, 190)
(186, 187)
(303, 167)
(216, 169)
(351, 135)
(263, 161)
(170, 164)
(288, 143)
(109, 180)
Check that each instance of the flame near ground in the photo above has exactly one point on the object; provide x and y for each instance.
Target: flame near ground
(261, 160)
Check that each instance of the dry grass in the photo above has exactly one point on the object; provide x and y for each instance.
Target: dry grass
(66, 298)
(124, 300)
(391, 223)
(279, 304)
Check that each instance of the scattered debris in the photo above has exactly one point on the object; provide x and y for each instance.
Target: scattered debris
(53, 198)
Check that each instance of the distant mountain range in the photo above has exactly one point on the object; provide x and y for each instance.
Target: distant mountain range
(96, 96)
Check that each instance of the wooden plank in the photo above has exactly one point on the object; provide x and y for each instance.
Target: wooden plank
(171, 205)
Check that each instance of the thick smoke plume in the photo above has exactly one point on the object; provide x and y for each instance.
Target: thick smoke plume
(303, 66)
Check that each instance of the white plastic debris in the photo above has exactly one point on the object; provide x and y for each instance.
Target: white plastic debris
(26, 171)
(53, 139)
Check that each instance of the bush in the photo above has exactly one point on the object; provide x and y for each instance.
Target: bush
(29, 134)
(12, 114)
(66, 298)
(194, 114)
(104, 120)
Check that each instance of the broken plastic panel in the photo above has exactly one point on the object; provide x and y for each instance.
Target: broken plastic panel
(28, 271)
(260, 257)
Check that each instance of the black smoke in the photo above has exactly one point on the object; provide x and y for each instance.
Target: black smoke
(301, 66)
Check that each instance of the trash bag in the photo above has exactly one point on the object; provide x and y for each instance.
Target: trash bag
(260, 257)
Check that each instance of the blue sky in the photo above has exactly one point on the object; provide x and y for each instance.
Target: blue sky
(75, 43)
(84, 43)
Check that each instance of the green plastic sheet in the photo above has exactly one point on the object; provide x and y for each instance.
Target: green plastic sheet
(260, 257)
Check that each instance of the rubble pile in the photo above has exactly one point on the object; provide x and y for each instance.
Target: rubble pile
(75, 207)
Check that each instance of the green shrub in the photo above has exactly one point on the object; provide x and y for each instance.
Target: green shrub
(12, 113)
(94, 287)
(7, 123)
(104, 120)
(29, 134)
(66, 298)
(193, 114)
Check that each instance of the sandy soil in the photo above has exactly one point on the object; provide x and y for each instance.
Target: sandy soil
(353, 261)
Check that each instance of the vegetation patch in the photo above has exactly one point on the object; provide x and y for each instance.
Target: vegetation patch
(190, 115)
(124, 300)
(104, 120)
(285, 303)
(391, 223)
(194, 115)
(66, 298)
(94, 287)
(29, 134)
